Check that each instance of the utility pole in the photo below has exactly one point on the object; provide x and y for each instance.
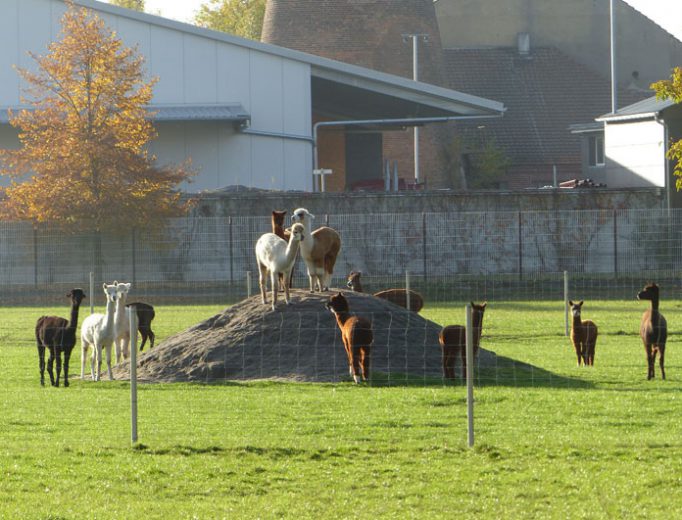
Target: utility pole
(415, 76)
(614, 78)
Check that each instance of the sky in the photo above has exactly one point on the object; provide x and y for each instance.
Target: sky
(667, 13)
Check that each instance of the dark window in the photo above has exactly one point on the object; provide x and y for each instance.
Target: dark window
(596, 150)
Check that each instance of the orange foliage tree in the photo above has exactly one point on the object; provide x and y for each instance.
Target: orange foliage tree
(83, 161)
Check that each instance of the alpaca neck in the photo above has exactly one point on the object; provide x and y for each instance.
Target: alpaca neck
(73, 321)
(109, 317)
(342, 318)
(577, 322)
(357, 286)
(292, 249)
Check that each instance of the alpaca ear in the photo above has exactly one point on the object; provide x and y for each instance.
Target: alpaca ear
(570, 302)
(104, 285)
(483, 305)
(311, 215)
(581, 303)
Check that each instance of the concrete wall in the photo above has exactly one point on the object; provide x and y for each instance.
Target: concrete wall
(192, 69)
(259, 203)
(580, 28)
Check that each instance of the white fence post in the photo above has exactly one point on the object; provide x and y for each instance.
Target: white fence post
(92, 292)
(407, 290)
(470, 374)
(132, 321)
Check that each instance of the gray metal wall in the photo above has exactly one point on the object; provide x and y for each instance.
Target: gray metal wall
(191, 69)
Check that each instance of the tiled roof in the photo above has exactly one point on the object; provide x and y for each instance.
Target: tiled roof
(544, 94)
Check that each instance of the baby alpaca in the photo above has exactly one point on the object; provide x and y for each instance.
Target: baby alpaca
(653, 330)
(357, 336)
(275, 256)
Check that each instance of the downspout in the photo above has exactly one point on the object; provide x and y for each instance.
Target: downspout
(668, 187)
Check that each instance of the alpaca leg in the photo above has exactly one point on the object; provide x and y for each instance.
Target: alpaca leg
(50, 364)
(356, 352)
(58, 359)
(365, 361)
(84, 354)
(108, 353)
(576, 346)
(96, 362)
(117, 351)
(67, 358)
(650, 362)
(273, 281)
(41, 363)
(263, 283)
(125, 346)
(661, 362)
(311, 279)
(150, 333)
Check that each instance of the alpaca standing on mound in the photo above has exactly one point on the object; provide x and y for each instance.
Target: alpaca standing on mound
(58, 335)
(98, 331)
(275, 256)
(583, 335)
(319, 250)
(121, 324)
(357, 336)
(653, 330)
(278, 229)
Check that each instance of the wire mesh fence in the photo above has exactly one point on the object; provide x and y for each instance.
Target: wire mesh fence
(509, 255)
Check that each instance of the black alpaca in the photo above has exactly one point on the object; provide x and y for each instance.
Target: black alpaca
(653, 330)
(59, 336)
(145, 315)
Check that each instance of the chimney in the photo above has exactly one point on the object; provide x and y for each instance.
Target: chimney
(523, 44)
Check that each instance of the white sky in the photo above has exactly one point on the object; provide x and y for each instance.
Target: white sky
(667, 13)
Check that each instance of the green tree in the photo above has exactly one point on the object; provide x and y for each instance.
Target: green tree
(672, 89)
(137, 5)
(240, 17)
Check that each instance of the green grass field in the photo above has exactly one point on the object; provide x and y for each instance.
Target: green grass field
(554, 441)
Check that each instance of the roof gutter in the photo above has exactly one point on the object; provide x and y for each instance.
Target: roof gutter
(414, 121)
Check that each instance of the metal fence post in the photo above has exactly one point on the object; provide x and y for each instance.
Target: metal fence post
(92, 292)
(470, 374)
(407, 290)
(566, 302)
(520, 247)
(132, 322)
(248, 284)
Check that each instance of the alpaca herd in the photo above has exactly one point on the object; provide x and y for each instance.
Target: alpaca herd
(276, 253)
(99, 331)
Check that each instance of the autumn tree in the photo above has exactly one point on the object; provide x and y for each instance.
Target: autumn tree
(672, 89)
(137, 5)
(83, 162)
(240, 17)
(83, 156)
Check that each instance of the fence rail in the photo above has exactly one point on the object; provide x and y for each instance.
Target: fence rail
(207, 258)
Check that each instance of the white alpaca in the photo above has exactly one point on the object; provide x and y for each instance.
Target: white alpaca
(121, 324)
(319, 250)
(274, 255)
(98, 330)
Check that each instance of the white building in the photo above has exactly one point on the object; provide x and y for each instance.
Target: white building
(243, 111)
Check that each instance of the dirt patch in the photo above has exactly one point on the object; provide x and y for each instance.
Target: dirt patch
(298, 342)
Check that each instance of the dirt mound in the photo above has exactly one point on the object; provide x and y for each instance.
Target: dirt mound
(299, 342)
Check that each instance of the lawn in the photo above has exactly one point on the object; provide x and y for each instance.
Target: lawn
(552, 440)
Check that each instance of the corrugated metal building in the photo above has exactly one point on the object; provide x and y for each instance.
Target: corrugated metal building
(242, 110)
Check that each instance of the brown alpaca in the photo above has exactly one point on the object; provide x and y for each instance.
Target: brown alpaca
(583, 335)
(59, 336)
(653, 330)
(452, 341)
(357, 336)
(319, 250)
(278, 229)
(395, 296)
